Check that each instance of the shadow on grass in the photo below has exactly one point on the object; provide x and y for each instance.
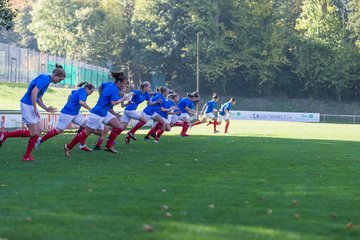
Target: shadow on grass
(223, 187)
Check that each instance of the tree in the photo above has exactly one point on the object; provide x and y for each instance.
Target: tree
(7, 15)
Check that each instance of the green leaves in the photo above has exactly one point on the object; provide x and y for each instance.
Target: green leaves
(7, 15)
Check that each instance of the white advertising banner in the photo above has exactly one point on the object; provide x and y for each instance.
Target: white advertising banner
(275, 116)
(14, 120)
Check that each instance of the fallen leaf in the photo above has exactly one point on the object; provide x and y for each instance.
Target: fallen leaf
(148, 228)
(349, 225)
(333, 215)
(164, 207)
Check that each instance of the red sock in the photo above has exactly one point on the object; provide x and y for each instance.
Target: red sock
(179, 124)
(196, 123)
(99, 142)
(185, 128)
(227, 127)
(53, 132)
(152, 130)
(137, 126)
(159, 133)
(82, 142)
(215, 123)
(18, 133)
(113, 135)
(31, 145)
(77, 139)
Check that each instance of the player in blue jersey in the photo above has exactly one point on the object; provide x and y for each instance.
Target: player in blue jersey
(224, 113)
(29, 110)
(100, 114)
(150, 112)
(140, 95)
(106, 128)
(185, 106)
(207, 112)
(168, 107)
(71, 113)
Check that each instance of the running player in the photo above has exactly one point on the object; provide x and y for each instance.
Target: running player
(106, 127)
(167, 107)
(224, 113)
(29, 111)
(207, 112)
(150, 112)
(71, 113)
(139, 96)
(185, 105)
(100, 114)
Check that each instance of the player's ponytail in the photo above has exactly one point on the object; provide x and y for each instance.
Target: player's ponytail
(118, 76)
(59, 71)
(144, 84)
(172, 96)
(82, 84)
(163, 89)
(86, 85)
(195, 94)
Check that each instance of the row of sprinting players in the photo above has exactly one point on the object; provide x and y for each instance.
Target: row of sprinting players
(164, 107)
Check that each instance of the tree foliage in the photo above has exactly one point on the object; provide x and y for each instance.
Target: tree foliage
(298, 48)
(7, 15)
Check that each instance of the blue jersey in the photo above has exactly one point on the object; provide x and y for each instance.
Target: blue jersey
(211, 105)
(42, 82)
(166, 104)
(225, 106)
(109, 94)
(136, 99)
(151, 109)
(183, 103)
(73, 106)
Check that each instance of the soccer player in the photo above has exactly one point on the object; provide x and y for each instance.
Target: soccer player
(106, 127)
(139, 96)
(71, 113)
(167, 107)
(207, 112)
(185, 105)
(150, 112)
(29, 110)
(224, 113)
(100, 114)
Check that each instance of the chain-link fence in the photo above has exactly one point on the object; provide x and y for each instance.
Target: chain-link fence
(21, 65)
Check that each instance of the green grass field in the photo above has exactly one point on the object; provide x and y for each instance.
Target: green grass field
(216, 187)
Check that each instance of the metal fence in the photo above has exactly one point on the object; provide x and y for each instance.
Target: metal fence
(21, 65)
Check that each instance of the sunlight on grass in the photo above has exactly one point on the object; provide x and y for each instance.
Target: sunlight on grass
(169, 230)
